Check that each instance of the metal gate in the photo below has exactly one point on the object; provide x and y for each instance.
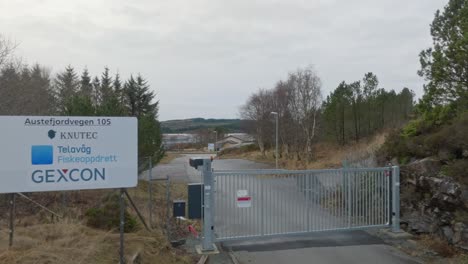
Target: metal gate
(265, 203)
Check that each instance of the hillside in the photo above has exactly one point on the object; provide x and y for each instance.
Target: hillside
(193, 124)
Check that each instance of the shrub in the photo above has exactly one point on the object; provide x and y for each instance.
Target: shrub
(107, 216)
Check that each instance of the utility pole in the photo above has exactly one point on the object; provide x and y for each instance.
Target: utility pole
(276, 151)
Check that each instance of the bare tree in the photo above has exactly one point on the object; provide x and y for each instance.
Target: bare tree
(305, 103)
(258, 109)
(6, 49)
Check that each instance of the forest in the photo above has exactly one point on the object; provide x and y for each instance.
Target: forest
(34, 90)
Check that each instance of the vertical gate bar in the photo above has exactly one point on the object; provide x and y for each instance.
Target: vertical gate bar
(382, 198)
(396, 198)
(380, 194)
(355, 199)
(372, 198)
(348, 195)
(313, 186)
(387, 199)
(366, 193)
(308, 193)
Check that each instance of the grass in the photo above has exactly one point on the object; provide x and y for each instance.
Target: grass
(38, 239)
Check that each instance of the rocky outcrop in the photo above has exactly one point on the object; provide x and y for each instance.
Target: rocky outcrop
(432, 203)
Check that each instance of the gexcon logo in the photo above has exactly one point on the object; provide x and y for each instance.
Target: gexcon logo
(42, 154)
(68, 175)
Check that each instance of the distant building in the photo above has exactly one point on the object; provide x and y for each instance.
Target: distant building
(235, 140)
(172, 140)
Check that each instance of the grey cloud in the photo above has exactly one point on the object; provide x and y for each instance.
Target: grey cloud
(205, 57)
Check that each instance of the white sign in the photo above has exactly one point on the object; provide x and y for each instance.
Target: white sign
(211, 147)
(39, 153)
(243, 199)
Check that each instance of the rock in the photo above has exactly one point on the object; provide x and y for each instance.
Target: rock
(465, 153)
(464, 197)
(428, 167)
(445, 155)
(420, 224)
(458, 227)
(450, 187)
(445, 202)
(457, 237)
(448, 233)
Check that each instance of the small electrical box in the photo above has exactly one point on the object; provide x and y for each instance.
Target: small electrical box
(195, 200)
(196, 162)
(178, 208)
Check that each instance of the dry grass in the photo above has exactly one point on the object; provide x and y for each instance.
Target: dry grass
(40, 240)
(326, 155)
(437, 245)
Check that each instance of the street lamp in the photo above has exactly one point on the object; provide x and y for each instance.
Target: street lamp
(216, 141)
(276, 151)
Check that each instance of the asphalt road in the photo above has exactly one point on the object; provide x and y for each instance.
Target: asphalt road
(331, 247)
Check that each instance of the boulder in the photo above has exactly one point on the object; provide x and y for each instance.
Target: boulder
(458, 229)
(449, 187)
(447, 232)
(420, 224)
(428, 167)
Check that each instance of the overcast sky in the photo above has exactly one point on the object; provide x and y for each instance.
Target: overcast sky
(204, 58)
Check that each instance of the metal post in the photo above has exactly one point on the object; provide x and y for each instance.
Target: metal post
(208, 228)
(276, 145)
(12, 217)
(396, 199)
(276, 141)
(150, 190)
(122, 225)
(168, 206)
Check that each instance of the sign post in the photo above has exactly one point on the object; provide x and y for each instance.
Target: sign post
(12, 217)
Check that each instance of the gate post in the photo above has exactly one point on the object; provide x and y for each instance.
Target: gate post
(208, 210)
(396, 199)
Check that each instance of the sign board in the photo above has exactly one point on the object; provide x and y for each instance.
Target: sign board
(211, 147)
(243, 199)
(39, 153)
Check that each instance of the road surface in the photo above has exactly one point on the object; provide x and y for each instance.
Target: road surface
(331, 247)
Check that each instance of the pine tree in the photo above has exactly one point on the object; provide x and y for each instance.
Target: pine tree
(66, 86)
(86, 88)
(106, 85)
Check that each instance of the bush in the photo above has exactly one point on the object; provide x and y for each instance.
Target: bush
(107, 216)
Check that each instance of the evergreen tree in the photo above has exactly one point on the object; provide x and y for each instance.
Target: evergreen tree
(86, 88)
(445, 65)
(140, 103)
(66, 86)
(106, 86)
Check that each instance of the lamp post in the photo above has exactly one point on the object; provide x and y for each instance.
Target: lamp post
(216, 141)
(276, 151)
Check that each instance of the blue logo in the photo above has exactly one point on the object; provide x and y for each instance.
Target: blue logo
(42, 154)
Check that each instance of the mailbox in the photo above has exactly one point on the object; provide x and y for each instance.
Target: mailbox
(178, 208)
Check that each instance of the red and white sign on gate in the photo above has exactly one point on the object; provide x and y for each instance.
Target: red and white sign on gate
(244, 200)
